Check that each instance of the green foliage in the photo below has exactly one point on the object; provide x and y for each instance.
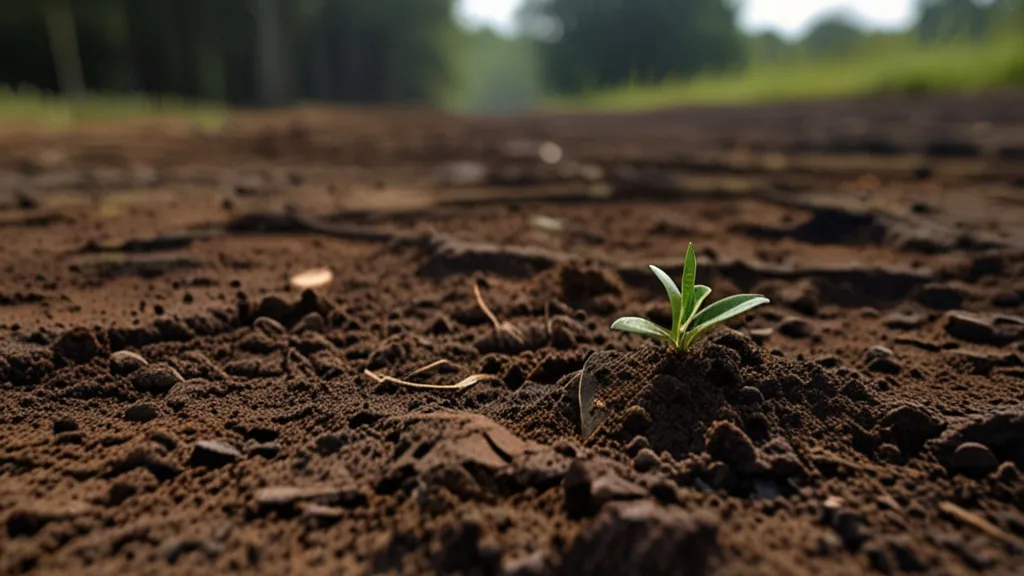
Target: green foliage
(882, 65)
(592, 44)
(689, 322)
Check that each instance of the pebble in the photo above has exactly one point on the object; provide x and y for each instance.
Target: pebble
(124, 362)
(889, 453)
(268, 450)
(635, 445)
(904, 320)
(974, 459)
(143, 412)
(269, 326)
(312, 322)
(62, 425)
(941, 296)
(984, 329)
(590, 484)
(795, 328)
(884, 365)
(751, 395)
(156, 379)
(637, 420)
(646, 460)
(214, 454)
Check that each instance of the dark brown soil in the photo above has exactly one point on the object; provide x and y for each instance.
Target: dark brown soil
(169, 404)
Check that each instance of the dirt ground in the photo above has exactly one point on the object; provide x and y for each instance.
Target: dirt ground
(170, 403)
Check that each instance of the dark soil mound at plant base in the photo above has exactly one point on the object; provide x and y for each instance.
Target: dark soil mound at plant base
(725, 416)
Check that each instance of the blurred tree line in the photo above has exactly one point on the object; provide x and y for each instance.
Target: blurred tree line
(240, 51)
(278, 51)
(838, 34)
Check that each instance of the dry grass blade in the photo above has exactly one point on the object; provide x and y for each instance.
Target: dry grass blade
(504, 327)
(967, 517)
(467, 382)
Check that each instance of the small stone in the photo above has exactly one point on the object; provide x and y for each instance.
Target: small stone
(643, 537)
(904, 320)
(214, 454)
(329, 444)
(828, 361)
(143, 412)
(156, 379)
(974, 459)
(268, 450)
(441, 325)
(637, 444)
(751, 395)
(646, 460)
(611, 486)
(909, 427)
(941, 296)
(274, 307)
(589, 484)
(312, 322)
(878, 352)
(795, 328)
(636, 420)
(124, 362)
(269, 327)
(984, 329)
(782, 460)
(728, 443)
(62, 425)
(1008, 473)
(889, 453)
(884, 365)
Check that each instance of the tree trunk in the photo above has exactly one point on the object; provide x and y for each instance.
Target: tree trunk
(60, 26)
(269, 71)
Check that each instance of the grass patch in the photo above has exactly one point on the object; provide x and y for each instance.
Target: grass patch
(896, 65)
(33, 108)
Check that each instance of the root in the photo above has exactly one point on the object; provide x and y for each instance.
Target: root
(461, 385)
(502, 327)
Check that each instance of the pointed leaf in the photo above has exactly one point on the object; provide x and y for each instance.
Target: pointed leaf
(674, 297)
(689, 277)
(721, 311)
(640, 326)
(700, 293)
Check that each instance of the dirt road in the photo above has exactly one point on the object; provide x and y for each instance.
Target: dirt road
(172, 401)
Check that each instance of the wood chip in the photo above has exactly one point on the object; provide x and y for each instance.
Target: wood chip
(313, 278)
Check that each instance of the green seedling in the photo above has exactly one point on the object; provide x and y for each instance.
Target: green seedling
(689, 322)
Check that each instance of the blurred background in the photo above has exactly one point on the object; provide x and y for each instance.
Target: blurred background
(87, 58)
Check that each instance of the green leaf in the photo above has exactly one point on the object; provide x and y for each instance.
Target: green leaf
(700, 293)
(721, 311)
(689, 277)
(641, 326)
(674, 297)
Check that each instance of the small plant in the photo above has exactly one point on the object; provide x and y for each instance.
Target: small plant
(687, 323)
